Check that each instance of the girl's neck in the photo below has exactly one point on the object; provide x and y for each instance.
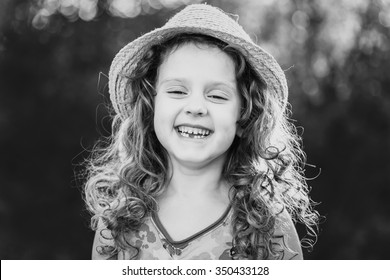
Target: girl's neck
(190, 181)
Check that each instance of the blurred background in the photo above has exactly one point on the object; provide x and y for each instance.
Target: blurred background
(336, 55)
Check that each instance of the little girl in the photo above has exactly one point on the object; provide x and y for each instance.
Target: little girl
(202, 163)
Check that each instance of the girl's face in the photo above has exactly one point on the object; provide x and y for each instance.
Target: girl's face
(197, 105)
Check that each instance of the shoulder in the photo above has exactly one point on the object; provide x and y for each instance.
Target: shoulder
(286, 237)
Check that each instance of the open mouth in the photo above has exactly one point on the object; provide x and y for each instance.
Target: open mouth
(193, 132)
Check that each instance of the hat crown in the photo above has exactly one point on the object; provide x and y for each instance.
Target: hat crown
(208, 17)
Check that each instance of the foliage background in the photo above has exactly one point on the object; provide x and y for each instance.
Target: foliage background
(52, 110)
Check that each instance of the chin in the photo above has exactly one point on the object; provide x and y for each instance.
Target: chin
(200, 161)
(193, 160)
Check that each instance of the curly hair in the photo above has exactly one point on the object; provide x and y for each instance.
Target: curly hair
(264, 165)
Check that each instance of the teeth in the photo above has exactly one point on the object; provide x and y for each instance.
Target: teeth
(196, 133)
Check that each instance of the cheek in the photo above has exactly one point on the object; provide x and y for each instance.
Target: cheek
(159, 109)
(163, 118)
(159, 128)
(232, 114)
(227, 123)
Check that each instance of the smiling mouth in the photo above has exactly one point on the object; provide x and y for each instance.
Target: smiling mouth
(193, 132)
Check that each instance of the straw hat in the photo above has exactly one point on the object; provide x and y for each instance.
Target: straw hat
(200, 19)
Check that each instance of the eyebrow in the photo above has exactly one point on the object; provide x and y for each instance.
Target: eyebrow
(167, 80)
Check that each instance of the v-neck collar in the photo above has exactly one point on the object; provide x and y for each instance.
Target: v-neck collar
(183, 243)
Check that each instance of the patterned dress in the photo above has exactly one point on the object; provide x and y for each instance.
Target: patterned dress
(212, 243)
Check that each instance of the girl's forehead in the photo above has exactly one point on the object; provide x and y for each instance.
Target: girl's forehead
(191, 47)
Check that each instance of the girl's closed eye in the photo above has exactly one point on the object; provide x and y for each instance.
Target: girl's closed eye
(218, 96)
(177, 92)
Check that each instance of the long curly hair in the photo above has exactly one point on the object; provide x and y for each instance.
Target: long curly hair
(264, 166)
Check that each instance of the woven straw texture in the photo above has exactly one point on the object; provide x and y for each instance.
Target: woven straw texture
(201, 19)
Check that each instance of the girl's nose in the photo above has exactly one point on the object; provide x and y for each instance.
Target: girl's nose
(196, 106)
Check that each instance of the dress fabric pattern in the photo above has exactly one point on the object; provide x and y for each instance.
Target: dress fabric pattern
(212, 243)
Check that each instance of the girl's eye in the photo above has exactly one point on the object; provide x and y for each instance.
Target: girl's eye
(177, 92)
(218, 97)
